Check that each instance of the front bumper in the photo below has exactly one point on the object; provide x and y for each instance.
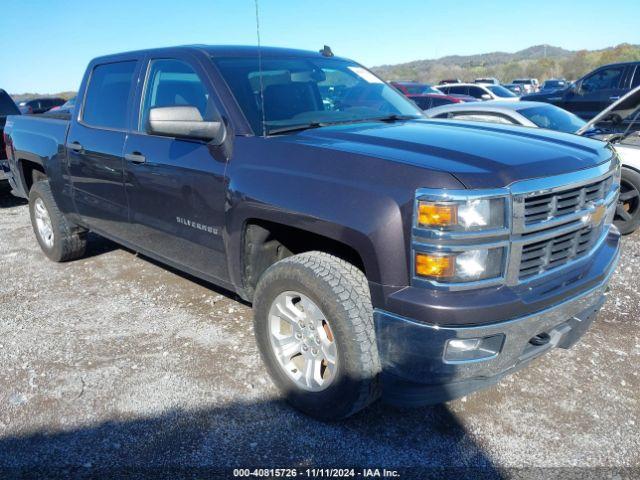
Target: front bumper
(412, 353)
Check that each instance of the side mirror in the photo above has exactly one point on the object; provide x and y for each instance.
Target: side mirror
(185, 122)
(486, 96)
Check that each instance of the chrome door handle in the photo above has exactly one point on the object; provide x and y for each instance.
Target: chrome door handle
(135, 157)
(615, 98)
(75, 146)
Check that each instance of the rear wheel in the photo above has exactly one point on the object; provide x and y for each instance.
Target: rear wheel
(627, 217)
(59, 240)
(313, 322)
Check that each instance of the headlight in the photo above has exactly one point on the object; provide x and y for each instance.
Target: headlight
(457, 267)
(462, 215)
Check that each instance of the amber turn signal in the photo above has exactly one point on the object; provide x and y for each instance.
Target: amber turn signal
(435, 266)
(437, 215)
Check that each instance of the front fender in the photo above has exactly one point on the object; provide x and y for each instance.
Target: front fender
(363, 202)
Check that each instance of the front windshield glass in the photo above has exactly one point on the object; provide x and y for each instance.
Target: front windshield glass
(430, 89)
(306, 91)
(553, 118)
(500, 91)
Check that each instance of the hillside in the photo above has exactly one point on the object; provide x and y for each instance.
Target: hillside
(540, 61)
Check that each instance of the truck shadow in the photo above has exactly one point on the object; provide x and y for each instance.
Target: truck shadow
(423, 443)
(7, 199)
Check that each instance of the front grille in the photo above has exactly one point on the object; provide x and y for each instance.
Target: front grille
(546, 206)
(545, 255)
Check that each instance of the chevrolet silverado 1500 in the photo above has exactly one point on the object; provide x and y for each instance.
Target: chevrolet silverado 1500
(384, 254)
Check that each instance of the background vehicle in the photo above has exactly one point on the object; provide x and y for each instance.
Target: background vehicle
(39, 105)
(553, 84)
(449, 80)
(544, 115)
(530, 85)
(480, 91)
(65, 109)
(515, 88)
(429, 100)
(489, 80)
(595, 91)
(379, 249)
(415, 88)
(7, 107)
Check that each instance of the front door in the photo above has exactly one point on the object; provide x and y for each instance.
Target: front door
(595, 92)
(176, 186)
(95, 144)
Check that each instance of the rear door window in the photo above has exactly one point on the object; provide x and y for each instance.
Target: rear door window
(107, 98)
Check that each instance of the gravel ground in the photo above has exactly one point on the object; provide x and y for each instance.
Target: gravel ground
(116, 362)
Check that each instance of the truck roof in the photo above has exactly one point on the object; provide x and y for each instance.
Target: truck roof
(222, 51)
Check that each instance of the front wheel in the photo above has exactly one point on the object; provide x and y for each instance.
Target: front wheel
(627, 217)
(313, 322)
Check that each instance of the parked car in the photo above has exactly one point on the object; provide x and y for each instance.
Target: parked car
(63, 110)
(39, 105)
(553, 84)
(480, 91)
(449, 80)
(7, 107)
(384, 254)
(489, 80)
(530, 85)
(515, 88)
(415, 88)
(430, 100)
(594, 92)
(544, 115)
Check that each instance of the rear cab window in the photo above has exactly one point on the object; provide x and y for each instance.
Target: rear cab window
(106, 100)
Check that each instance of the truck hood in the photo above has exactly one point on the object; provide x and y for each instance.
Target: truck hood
(478, 155)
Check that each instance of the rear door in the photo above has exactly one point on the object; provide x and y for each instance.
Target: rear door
(95, 142)
(176, 186)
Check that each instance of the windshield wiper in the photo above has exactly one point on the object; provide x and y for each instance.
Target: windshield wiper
(296, 128)
(394, 118)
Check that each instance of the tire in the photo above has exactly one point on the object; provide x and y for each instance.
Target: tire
(341, 293)
(65, 242)
(627, 217)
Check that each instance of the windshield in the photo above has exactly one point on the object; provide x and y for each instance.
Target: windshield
(430, 89)
(500, 91)
(553, 118)
(307, 91)
(7, 107)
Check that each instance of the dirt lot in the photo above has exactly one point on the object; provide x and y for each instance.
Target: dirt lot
(114, 361)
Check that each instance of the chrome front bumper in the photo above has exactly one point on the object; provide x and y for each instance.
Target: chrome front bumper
(412, 353)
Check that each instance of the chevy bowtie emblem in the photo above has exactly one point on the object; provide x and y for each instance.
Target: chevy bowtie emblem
(595, 217)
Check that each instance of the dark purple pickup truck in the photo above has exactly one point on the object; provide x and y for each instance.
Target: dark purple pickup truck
(385, 254)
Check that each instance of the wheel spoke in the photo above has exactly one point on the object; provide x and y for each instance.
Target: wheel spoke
(312, 376)
(287, 347)
(629, 195)
(622, 213)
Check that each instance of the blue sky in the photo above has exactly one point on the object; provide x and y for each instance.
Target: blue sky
(46, 44)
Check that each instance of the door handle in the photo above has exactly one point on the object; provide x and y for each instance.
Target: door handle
(615, 98)
(135, 157)
(76, 147)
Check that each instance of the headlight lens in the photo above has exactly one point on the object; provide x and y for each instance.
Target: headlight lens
(464, 215)
(457, 267)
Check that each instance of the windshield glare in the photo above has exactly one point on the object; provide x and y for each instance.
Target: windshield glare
(500, 91)
(553, 118)
(303, 91)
